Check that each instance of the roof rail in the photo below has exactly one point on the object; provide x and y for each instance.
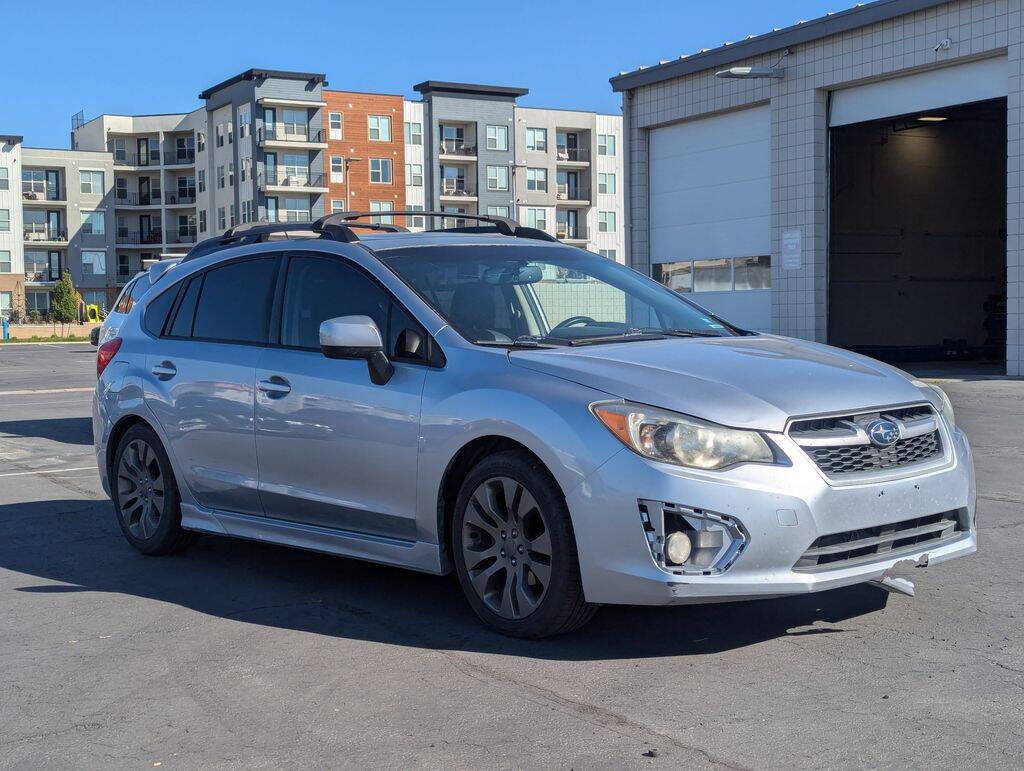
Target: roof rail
(503, 225)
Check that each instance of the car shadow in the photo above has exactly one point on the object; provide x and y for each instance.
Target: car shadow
(67, 546)
(64, 430)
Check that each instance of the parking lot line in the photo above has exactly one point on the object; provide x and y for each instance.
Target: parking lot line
(38, 391)
(47, 471)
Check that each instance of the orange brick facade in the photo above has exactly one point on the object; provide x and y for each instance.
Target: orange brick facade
(357, 191)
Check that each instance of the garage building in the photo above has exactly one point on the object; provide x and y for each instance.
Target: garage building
(854, 180)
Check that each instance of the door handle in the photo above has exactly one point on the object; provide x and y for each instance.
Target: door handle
(275, 387)
(165, 370)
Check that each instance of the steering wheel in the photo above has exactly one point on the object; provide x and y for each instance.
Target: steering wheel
(573, 321)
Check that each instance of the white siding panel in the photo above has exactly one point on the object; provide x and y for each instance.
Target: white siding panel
(710, 193)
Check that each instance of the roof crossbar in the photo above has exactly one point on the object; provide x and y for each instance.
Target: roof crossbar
(503, 225)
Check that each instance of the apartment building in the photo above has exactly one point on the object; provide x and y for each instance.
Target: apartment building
(367, 167)
(12, 266)
(155, 187)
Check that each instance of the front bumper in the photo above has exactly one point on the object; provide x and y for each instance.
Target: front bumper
(617, 566)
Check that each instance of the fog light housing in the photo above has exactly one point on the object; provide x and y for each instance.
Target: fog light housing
(677, 547)
(690, 541)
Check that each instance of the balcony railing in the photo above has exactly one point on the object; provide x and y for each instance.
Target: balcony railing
(41, 195)
(124, 198)
(456, 147)
(182, 235)
(564, 230)
(571, 193)
(456, 187)
(38, 276)
(179, 157)
(181, 199)
(576, 154)
(289, 132)
(137, 159)
(153, 236)
(36, 231)
(284, 178)
(287, 215)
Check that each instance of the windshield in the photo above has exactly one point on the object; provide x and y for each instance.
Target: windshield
(502, 295)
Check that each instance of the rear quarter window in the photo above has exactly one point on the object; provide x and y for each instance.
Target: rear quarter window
(156, 312)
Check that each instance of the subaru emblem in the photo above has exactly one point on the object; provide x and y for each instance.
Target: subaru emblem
(882, 432)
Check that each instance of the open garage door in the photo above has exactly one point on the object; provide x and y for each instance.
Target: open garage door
(917, 263)
(710, 212)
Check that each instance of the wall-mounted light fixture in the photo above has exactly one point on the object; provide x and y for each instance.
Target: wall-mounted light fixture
(775, 71)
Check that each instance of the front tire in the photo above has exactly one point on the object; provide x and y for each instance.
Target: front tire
(145, 494)
(515, 550)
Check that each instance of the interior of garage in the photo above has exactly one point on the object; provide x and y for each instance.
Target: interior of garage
(917, 263)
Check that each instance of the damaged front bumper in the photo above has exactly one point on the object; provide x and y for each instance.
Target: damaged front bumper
(793, 531)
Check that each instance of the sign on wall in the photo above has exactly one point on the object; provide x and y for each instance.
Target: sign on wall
(791, 250)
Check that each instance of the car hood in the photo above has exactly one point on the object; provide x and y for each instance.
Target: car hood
(748, 382)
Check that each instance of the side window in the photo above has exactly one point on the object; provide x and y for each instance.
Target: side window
(156, 313)
(321, 288)
(186, 312)
(138, 289)
(235, 303)
(123, 303)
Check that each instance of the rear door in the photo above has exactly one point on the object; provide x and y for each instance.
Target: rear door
(336, 450)
(201, 379)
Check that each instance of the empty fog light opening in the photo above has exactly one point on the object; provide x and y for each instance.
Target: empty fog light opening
(691, 541)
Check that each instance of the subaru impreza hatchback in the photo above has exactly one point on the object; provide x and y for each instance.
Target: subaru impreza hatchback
(559, 430)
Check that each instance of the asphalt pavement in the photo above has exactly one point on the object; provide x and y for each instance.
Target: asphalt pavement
(243, 654)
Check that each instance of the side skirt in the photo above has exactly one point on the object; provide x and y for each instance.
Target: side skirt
(414, 555)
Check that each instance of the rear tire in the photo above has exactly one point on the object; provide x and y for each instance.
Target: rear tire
(145, 494)
(515, 550)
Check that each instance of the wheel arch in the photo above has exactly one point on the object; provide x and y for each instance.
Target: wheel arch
(119, 430)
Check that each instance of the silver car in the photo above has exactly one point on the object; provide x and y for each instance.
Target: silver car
(559, 430)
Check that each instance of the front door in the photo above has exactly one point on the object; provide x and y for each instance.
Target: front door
(144, 191)
(143, 147)
(53, 225)
(200, 381)
(53, 192)
(145, 229)
(334, 449)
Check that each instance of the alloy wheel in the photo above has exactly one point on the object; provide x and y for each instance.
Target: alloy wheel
(506, 547)
(140, 489)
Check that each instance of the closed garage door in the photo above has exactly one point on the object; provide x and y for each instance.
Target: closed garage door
(710, 209)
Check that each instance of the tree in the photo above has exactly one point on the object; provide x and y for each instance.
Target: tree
(63, 304)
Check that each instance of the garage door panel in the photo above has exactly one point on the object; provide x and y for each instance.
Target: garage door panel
(691, 171)
(740, 238)
(731, 128)
(709, 204)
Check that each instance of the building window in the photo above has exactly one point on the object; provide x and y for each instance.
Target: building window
(537, 139)
(222, 221)
(201, 180)
(5, 261)
(5, 182)
(414, 174)
(220, 177)
(296, 123)
(497, 137)
(244, 170)
(721, 274)
(202, 220)
(5, 304)
(606, 183)
(201, 141)
(91, 182)
(606, 144)
(380, 128)
(231, 173)
(219, 132)
(337, 205)
(537, 218)
(415, 221)
(5, 219)
(94, 263)
(497, 177)
(296, 210)
(497, 211)
(537, 179)
(608, 254)
(244, 124)
(414, 134)
(380, 171)
(606, 222)
(120, 149)
(93, 222)
(231, 132)
(33, 181)
(753, 272)
(337, 169)
(382, 206)
(336, 126)
(231, 214)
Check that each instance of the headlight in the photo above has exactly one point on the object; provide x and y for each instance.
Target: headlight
(946, 407)
(673, 438)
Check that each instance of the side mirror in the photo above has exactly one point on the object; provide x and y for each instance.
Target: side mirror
(356, 337)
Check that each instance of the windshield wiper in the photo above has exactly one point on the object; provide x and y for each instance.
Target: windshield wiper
(627, 336)
(686, 333)
(523, 341)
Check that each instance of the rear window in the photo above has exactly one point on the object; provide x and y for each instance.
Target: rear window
(235, 302)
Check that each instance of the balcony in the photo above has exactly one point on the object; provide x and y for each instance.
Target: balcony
(188, 198)
(137, 159)
(565, 231)
(565, 154)
(290, 134)
(124, 198)
(288, 215)
(456, 188)
(36, 232)
(32, 197)
(571, 195)
(127, 237)
(180, 158)
(457, 148)
(43, 276)
(300, 180)
(180, 235)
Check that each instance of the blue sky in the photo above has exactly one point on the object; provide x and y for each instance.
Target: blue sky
(146, 57)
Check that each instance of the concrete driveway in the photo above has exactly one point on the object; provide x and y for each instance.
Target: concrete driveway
(241, 654)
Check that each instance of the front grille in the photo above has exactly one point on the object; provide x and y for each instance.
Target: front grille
(854, 547)
(839, 445)
(867, 457)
